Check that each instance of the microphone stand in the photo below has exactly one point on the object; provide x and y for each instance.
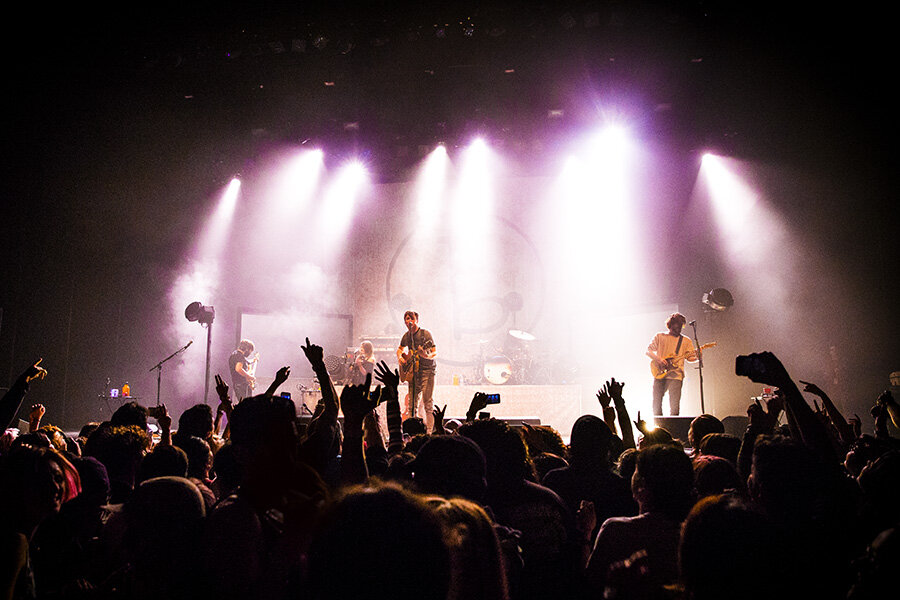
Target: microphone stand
(159, 365)
(693, 324)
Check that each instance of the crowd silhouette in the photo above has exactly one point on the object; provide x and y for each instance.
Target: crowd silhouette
(250, 501)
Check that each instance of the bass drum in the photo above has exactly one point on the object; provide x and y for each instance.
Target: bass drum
(498, 370)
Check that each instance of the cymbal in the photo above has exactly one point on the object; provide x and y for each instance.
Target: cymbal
(522, 335)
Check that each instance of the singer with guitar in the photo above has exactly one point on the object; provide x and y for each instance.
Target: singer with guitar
(243, 369)
(667, 351)
(416, 356)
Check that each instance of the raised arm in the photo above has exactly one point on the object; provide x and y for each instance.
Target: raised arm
(315, 356)
(837, 419)
(225, 407)
(280, 377)
(614, 389)
(12, 399)
(390, 395)
(356, 403)
(769, 370)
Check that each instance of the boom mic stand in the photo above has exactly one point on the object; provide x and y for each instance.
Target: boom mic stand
(159, 365)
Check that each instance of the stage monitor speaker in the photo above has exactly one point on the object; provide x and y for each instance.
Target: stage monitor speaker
(677, 426)
(520, 421)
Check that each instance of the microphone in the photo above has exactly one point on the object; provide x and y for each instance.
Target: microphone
(692, 323)
(188, 344)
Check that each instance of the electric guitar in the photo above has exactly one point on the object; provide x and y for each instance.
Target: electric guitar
(251, 370)
(660, 372)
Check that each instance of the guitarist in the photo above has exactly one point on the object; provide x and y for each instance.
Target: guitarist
(416, 356)
(243, 369)
(668, 350)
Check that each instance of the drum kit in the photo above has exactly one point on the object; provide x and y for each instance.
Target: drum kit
(515, 363)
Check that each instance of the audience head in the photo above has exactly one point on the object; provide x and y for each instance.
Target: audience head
(542, 439)
(626, 463)
(130, 413)
(784, 479)
(379, 541)
(714, 475)
(94, 480)
(56, 436)
(196, 421)
(663, 481)
(163, 461)
(722, 445)
(228, 473)
(590, 443)
(414, 426)
(657, 436)
(477, 561)
(164, 524)
(546, 462)
(450, 465)
(504, 450)
(728, 551)
(702, 426)
(35, 482)
(120, 448)
(199, 456)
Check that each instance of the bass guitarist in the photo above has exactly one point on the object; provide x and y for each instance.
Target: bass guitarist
(668, 350)
(416, 356)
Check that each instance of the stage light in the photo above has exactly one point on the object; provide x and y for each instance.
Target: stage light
(196, 311)
(718, 299)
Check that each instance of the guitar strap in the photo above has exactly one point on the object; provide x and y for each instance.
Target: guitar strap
(678, 347)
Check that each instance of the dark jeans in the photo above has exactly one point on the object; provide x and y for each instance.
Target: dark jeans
(660, 387)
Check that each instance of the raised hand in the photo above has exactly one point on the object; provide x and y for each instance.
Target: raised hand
(640, 424)
(164, 418)
(282, 375)
(811, 388)
(221, 388)
(771, 371)
(604, 398)
(356, 403)
(760, 418)
(225, 405)
(390, 379)
(855, 425)
(614, 389)
(35, 371)
(314, 354)
(37, 412)
(479, 403)
(439, 419)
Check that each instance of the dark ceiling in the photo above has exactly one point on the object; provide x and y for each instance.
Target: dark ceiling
(756, 80)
